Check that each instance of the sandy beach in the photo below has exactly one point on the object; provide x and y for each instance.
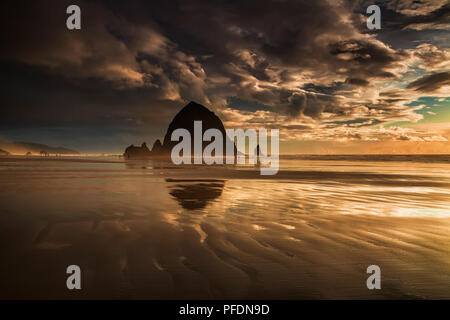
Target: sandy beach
(141, 229)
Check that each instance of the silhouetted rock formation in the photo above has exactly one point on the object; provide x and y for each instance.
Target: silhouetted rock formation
(3, 152)
(183, 120)
(133, 152)
(157, 147)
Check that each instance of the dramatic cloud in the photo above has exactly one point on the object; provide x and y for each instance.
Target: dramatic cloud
(431, 83)
(309, 67)
(417, 8)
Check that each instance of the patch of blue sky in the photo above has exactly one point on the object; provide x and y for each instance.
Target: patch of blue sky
(435, 110)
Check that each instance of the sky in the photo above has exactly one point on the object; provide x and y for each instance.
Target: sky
(311, 69)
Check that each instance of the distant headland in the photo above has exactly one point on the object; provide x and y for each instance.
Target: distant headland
(31, 148)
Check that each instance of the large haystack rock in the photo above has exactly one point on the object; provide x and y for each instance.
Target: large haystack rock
(185, 120)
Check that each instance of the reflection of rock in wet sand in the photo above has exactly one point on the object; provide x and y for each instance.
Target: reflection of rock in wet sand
(198, 195)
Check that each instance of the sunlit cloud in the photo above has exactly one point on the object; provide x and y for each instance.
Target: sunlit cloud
(310, 69)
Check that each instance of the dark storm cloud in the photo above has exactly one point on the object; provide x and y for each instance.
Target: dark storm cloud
(431, 83)
(312, 104)
(144, 45)
(102, 75)
(283, 30)
(423, 17)
(366, 59)
(407, 22)
(357, 81)
(134, 64)
(400, 14)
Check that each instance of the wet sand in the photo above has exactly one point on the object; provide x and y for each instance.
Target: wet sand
(142, 230)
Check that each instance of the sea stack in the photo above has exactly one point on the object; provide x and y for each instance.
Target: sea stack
(157, 147)
(183, 119)
(133, 152)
